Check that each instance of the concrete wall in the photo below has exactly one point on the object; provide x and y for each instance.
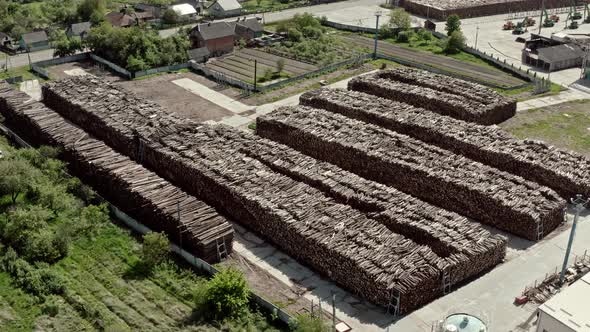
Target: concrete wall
(547, 323)
(481, 10)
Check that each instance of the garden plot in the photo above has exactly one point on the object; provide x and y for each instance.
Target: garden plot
(240, 65)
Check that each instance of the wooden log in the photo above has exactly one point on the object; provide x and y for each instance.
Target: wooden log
(438, 176)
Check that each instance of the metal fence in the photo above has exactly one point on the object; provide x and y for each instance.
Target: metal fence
(116, 68)
(164, 69)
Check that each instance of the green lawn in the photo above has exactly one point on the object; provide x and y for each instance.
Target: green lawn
(565, 125)
(23, 71)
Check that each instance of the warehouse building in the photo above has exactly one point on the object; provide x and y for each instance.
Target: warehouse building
(567, 311)
(552, 55)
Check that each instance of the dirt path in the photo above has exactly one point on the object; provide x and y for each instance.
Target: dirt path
(471, 70)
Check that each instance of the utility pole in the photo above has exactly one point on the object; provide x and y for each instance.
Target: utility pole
(541, 18)
(178, 216)
(579, 205)
(377, 14)
(255, 67)
(476, 36)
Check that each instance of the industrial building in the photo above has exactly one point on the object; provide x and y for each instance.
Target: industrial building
(567, 311)
(552, 55)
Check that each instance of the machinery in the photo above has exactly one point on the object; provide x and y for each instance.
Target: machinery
(529, 21)
(521, 27)
(548, 21)
(508, 25)
(573, 25)
(554, 18)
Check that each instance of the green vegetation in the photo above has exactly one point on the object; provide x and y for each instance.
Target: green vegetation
(226, 296)
(400, 19)
(308, 323)
(455, 43)
(136, 49)
(453, 24)
(252, 125)
(566, 125)
(309, 41)
(526, 92)
(156, 249)
(65, 267)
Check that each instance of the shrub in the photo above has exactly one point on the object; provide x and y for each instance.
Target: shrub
(227, 294)
(400, 18)
(294, 35)
(453, 24)
(170, 16)
(308, 323)
(454, 43)
(425, 35)
(404, 36)
(50, 306)
(155, 250)
(39, 280)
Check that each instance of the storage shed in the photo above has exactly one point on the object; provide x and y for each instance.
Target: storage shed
(567, 311)
(553, 57)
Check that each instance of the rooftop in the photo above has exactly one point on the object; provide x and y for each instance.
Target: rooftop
(184, 9)
(34, 37)
(560, 52)
(229, 4)
(214, 30)
(570, 305)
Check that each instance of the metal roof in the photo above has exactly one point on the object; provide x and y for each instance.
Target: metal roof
(570, 306)
(560, 53)
(184, 9)
(214, 30)
(197, 53)
(34, 37)
(251, 23)
(79, 28)
(227, 5)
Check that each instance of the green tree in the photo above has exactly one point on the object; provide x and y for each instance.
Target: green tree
(453, 24)
(400, 18)
(454, 43)
(18, 226)
(424, 35)
(89, 8)
(170, 16)
(155, 249)
(16, 175)
(227, 294)
(67, 46)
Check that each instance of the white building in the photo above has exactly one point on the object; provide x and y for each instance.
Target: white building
(567, 311)
(185, 11)
(225, 8)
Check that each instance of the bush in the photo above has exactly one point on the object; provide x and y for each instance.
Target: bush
(307, 323)
(51, 306)
(453, 24)
(294, 35)
(155, 249)
(425, 35)
(37, 280)
(454, 43)
(404, 36)
(400, 19)
(227, 294)
(170, 16)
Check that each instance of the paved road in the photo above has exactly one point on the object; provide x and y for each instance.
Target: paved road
(320, 10)
(470, 70)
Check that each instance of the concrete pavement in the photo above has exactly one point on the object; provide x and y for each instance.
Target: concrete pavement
(564, 96)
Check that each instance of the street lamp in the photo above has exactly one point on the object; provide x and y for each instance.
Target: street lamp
(377, 14)
(579, 205)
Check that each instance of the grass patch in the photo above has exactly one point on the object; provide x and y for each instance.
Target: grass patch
(180, 71)
(525, 93)
(252, 125)
(270, 5)
(23, 71)
(569, 127)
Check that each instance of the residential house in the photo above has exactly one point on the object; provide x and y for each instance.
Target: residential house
(185, 11)
(34, 41)
(121, 20)
(142, 17)
(5, 40)
(199, 54)
(248, 28)
(225, 8)
(79, 30)
(217, 37)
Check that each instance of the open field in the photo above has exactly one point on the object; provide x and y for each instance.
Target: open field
(474, 71)
(565, 125)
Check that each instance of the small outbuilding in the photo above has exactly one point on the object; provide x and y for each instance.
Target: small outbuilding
(121, 20)
(34, 41)
(79, 30)
(200, 54)
(217, 37)
(185, 11)
(248, 28)
(225, 8)
(567, 311)
(5, 40)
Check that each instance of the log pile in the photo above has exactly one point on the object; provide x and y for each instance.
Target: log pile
(438, 93)
(309, 215)
(438, 176)
(566, 172)
(137, 191)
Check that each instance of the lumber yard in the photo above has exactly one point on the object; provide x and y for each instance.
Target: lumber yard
(375, 188)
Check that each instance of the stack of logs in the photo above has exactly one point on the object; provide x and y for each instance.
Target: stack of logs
(566, 172)
(438, 176)
(438, 93)
(137, 191)
(354, 238)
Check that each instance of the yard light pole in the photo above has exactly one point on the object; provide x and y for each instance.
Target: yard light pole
(377, 14)
(476, 36)
(255, 67)
(579, 205)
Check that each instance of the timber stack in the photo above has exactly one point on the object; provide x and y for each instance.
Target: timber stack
(141, 193)
(372, 246)
(437, 93)
(437, 176)
(566, 172)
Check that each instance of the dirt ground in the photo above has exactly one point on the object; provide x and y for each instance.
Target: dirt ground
(565, 125)
(60, 71)
(175, 98)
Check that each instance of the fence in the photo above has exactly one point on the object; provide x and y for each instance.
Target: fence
(118, 69)
(188, 257)
(152, 71)
(38, 67)
(221, 78)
